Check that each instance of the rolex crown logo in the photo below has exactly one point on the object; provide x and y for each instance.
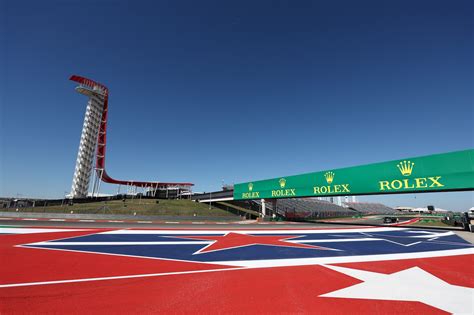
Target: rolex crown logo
(329, 177)
(282, 182)
(250, 186)
(405, 167)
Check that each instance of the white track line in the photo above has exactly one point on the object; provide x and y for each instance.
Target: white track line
(190, 242)
(12, 285)
(295, 231)
(118, 243)
(58, 220)
(342, 259)
(144, 222)
(249, 264)
(29, 219)
(22, 230)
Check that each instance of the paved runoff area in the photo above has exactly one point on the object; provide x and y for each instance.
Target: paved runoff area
(226, 270)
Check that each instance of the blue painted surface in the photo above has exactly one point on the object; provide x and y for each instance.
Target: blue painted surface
(391, 242)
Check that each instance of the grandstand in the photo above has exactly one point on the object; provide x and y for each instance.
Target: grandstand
(307, 208)
(369, 208)
(297, 208)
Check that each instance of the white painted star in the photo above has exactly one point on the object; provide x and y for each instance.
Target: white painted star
(413, 284)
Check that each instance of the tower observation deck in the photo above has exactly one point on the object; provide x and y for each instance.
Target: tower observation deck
(93, 144)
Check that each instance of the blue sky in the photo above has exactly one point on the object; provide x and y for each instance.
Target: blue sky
(205, 91)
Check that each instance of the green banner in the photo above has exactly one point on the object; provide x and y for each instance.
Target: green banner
(452, 171)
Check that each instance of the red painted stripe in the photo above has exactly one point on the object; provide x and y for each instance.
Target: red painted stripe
(286, 290)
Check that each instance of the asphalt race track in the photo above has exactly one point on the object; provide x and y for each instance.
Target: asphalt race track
(251, 269)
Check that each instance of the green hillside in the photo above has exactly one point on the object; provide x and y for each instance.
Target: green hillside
(138, 207)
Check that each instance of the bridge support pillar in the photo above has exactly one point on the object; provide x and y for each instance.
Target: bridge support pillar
(263, 208)
(274, 206)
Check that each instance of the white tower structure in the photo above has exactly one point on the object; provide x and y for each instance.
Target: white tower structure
(88, 143)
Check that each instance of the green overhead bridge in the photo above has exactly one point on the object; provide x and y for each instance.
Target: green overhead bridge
(452, 171)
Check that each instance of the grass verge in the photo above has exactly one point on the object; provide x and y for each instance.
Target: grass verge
(136, 207)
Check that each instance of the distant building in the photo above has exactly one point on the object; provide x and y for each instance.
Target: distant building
(426, 210)
(404, 209)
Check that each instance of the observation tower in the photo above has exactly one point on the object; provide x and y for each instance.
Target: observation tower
(93, 144)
